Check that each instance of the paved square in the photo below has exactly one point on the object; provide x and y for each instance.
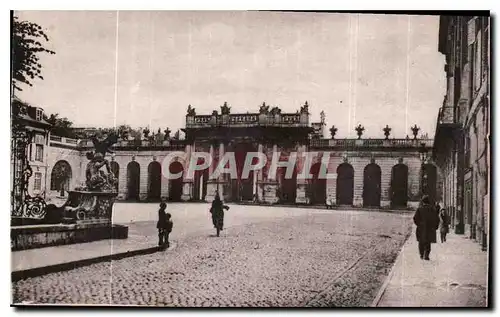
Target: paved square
(266, 256)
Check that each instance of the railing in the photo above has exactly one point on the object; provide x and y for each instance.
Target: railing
(357, 143)
(58, 140)
(247, 119)
(173, 144)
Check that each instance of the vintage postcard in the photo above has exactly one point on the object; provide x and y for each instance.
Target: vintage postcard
(250, 159)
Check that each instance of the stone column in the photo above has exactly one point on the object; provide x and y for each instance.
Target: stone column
(187, 184)
(211, 183)
(221, 181)
(165, 186)
(359, 168)
(143, 182)
(301, 197)
(270, 186)
(331, 184)
(385, 182)
(258, 178)
(122, 181)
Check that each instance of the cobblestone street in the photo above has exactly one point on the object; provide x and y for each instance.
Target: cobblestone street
(266, 258)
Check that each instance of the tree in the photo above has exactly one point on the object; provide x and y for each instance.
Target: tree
(27, 38)
(60, 126)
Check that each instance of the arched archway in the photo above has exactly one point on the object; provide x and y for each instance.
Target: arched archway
(133, 180)
(399, 185)
(242, 188)
(372, 185)
(429, 181)
(60, 177)
(345, 184)
(287, 190)
(154, 181)
(175, 185)
(115, 169)
(200, 182)
(317, 186)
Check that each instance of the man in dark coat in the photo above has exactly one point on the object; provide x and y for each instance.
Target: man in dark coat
(217, 211)
(427, 221)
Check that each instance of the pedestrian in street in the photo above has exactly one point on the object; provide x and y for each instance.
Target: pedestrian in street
(427, 221)
(164, 226)
(217, 211)
(444, 224)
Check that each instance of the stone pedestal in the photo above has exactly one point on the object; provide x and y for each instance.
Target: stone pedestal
(357, 201)
(385, 203)
(269, 192)
(186, 191)
(301, 197)
(89, 206)
(86, 216)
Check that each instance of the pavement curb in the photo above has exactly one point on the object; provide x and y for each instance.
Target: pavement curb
(34, 272)
(382, 289)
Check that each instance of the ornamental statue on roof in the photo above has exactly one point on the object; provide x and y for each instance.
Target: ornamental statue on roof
(275, 111)
(264, 109)
(304, 108)
(225, 109)
(191, 111)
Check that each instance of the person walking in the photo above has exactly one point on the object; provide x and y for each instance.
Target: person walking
(164, 226)
(427, 221)
(444, 224)
(217, 211)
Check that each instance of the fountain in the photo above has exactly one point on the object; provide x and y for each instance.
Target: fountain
(86, 215)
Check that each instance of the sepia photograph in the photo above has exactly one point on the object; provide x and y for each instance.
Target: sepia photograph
(250, 159)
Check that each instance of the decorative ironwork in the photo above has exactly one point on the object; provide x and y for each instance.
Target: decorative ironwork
(387, 131)
(22, 203)
(359, 130)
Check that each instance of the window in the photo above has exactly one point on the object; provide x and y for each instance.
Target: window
(39, 139)
(39, 114)
(39, 153)
(38, 181)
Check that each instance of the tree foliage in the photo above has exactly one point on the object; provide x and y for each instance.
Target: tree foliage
(60, 126)
(27, 38)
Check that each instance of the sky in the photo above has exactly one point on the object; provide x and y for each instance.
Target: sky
(144, 68)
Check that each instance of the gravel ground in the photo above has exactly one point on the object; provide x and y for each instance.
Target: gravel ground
(327, 259)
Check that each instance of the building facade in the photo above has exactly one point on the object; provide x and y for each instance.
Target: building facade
(462, 140)
(373, 173)
(29, 155)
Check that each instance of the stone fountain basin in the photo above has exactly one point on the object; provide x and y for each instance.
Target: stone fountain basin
(39, 236)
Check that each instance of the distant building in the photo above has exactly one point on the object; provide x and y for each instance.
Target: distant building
(374, 173)
(462, 140)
